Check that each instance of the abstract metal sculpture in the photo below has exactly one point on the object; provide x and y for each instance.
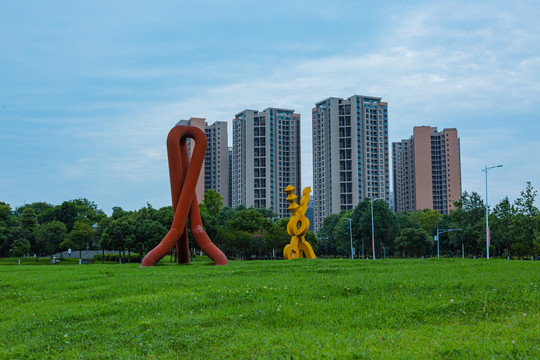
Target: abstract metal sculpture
(184, 175)
(298, 226)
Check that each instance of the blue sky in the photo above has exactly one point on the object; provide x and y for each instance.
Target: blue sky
(89, 90)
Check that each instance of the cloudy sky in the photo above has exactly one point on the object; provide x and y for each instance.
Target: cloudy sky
(89, 90)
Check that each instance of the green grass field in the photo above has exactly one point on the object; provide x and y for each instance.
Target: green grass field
(323, 309)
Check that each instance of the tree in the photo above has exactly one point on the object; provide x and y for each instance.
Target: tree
(524, 222)
(224, 240)
(525, 203)
(87, 211)
(6, 219)
(148, 234)
(234, 241)
(266, 213)
(21, 246)
(536, 248)
(49, 236)
(312, 239)
(66, 213)
(470, 217)
(4, 244)
(413, 242)
(44, 211)
(17, 233)
(28, 222)
(213, 202)
(81, 236)
(165, 216)
(426, 219)
(327, 242)
(501, 223)
(225, 215)
(6, 223)
(29, 219)
(404, 220)
(250, 221)
(146, 212)
(119, 234)
(148, 229)
(118, 212)
(209, 221)
(342, 235)
(277, 237)
(384, 221)
(257, 244)
(242, 240)
(82, 210)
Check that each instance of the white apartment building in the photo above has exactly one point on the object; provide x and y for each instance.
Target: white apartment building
(265, 158)
(215, 171)
(350, 154)
(216, 160)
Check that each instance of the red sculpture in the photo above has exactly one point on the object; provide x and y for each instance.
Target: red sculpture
(184, 175)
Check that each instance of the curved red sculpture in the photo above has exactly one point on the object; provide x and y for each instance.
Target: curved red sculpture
(184, 175)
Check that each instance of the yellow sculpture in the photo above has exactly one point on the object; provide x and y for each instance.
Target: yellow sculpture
(298, 226)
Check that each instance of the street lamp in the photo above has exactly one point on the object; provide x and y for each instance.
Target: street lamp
(486, 169)
(439, 232)
(372, 229)
(274, 249)
(350, 233)
(462, 247)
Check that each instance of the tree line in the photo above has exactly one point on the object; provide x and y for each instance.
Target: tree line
(44, 229)
(514, 229)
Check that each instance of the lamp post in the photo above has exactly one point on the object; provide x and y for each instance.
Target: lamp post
(350, 233)
(439, 232)
(274, 249)
(486, 169)
(372, 229)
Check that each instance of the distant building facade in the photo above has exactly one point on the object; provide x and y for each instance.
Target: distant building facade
(427, 170)
(350, 154)
(198, 123)
(229, 203)
(265, 158)
(216, 160)
(215, 171)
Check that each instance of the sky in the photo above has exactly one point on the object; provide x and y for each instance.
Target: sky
(90, 90)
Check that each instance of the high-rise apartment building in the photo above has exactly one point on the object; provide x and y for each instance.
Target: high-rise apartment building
(427, 170)
(229, 203)
(216, 160)
(350, 154)
(215, 171)
(198, 123)
(266, 158)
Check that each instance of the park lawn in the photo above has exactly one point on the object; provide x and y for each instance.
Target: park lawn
(323, 309)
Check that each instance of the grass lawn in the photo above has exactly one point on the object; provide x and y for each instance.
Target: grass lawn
(323, 309)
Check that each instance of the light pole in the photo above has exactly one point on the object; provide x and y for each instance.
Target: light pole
(372, 229)
(274, 249)
(439, 232)
(486, 169)
(350, 233)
